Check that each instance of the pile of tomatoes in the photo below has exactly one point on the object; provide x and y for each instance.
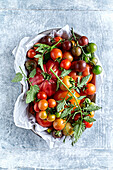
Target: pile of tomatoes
(77, 56)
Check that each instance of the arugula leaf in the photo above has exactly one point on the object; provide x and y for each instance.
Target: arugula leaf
(65, 73)
(31, 94)
(81, 97)
(18, 77)
(92, 108)
(78, 130)
(83, 82)
(89, 119)
(66, 112)
(32, 74)
(61, 105)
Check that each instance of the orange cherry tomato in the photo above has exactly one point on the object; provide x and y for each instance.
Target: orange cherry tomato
(68, 55)
(56, 53)
(31, 53)
(43, 104)
(66, 64)
(90, 89)
(66, 81)
(59, 124)
(91, 114)
(51, 103)
(42, 114)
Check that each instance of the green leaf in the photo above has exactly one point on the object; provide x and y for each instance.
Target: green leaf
(89, 119)
(66, 112)
(61, 105)
(32, 74)
(38, 56)
(81, 97)
(18, 77)
(31, 94)
(69, 98)
(40, 62)
(58, 85)
(65, 73)
(91, 108)
(78, 130)
(83, 82)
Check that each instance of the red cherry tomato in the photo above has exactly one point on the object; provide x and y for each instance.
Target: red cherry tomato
(90, 89)
(36, 107)
(59, 124)
(77, 116)
(56, 40)
(66, 64)
(51, 103)
(31, 53)
(43, 123)
(43, 104)
(87, 124)
(42, 95)
(56, 53)
(83, 41)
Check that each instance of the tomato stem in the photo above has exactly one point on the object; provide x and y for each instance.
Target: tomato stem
(68, 90)
(25, 75)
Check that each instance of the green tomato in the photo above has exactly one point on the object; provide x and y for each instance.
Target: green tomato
(94, 60)
(91, 48)
(86, 57)
(97, 69)
(58, 114)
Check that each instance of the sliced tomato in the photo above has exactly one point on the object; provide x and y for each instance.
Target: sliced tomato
(43, 123)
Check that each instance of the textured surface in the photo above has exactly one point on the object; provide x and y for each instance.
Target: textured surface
(20, 149)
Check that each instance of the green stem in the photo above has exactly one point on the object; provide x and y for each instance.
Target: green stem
(25, 75)
(55, 44)
(66, 88)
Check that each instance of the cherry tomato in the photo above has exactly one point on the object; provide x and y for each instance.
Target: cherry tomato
(31, 53)
(94, 60)
(66, 81)
(66, 64)
(80, 66)
(91, 48)
(73, 74)
(97, 69)
(57, 134)
(87, 124)
(59, 124)
(43, 123)
(76, 51)
(90, 89)
(30, 65)
(58, 114)
(31, 108)
(73, 43)
(83, 41)
(42, 115)
(51, 103)
(56, 40)
(42, 95)
(51, 117)
(46, 40)
(36, 107)
(68, 130)
(56, 53)
(91, 114)
(43, 104)
(77, 116)
(35, 47)
(68, 55)
(66, 45)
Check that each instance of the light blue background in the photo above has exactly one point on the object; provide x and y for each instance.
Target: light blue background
(21, 149)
